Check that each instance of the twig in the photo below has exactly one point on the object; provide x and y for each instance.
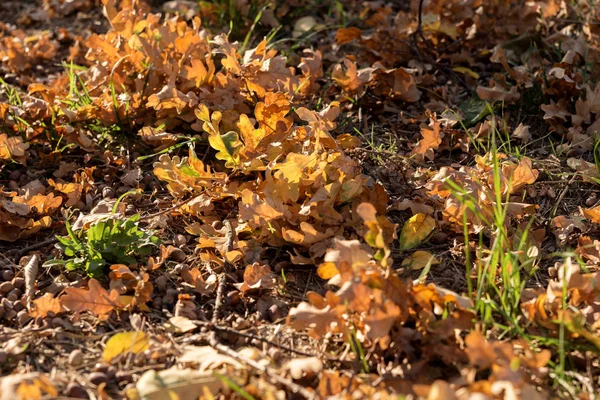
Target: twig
(213, 340)
(229, 236)
(168, 210)
(251, 336)
(271, 374)
(32, 247)
(419, 31)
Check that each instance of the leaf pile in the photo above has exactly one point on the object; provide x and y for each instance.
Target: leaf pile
(249, 203)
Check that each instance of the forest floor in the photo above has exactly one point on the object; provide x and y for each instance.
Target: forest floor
(262, 199)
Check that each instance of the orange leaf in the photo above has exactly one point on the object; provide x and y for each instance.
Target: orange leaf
(345, 35)
(45, 305)
(96, 299)
(592, 214)
(431, 141)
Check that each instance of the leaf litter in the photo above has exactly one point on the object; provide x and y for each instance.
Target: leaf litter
(266, 199)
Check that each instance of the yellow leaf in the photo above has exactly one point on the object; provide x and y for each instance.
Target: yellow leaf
(466, 71)
(327, 270)
(416, 229)
(419, 260)
(125, 342)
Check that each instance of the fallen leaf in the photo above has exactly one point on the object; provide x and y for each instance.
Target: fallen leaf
(45, 305)
(346, 35)
(96, 299)
(327, 270)
(522, 132)
(174, 383)
(591, 214)
(205, 358)
(431, 141)
(125, 342)
(419, 260)
(257, 276)
(416, 229)
(498, 94)
(30, 386)
(180, 325)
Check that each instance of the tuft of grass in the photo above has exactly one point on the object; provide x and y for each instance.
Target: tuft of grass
(110, 240)
(378, 148)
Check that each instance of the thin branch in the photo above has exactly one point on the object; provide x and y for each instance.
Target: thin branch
(32, 247)
(229, 236)
(270, 373)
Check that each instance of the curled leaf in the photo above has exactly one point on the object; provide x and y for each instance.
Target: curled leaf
(416, 230)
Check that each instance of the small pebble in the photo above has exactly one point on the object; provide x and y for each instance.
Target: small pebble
(161, 283)
(590, 201)
(19, 282)
(8, 275)
(275, 313)
(439, 238)
(178, 255)
(98, 377)
(124, 377)
(6, 287)
(232, 298)
(75, 358)
(10, 314)
(76, 391)
(179, 240)
(58, 322)
(14, 175)
(101, 367)
(111, 372)
(108, 193)
(23, 317)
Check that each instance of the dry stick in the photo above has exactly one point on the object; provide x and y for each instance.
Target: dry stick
(223, 275)
(167, 210)
(259, 338)
(213, 340)
(32, 247)
(269, 372)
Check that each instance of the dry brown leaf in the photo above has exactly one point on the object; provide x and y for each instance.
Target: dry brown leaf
(431, 141)
(257, 276)
(346, 35)
(45, 305)
(96, 299)
(498, 94)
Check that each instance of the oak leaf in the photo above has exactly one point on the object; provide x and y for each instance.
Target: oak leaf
(96, 299)
(346, 35)
(13, 148)
(431, 141)
(44, 305)
(257, 276)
